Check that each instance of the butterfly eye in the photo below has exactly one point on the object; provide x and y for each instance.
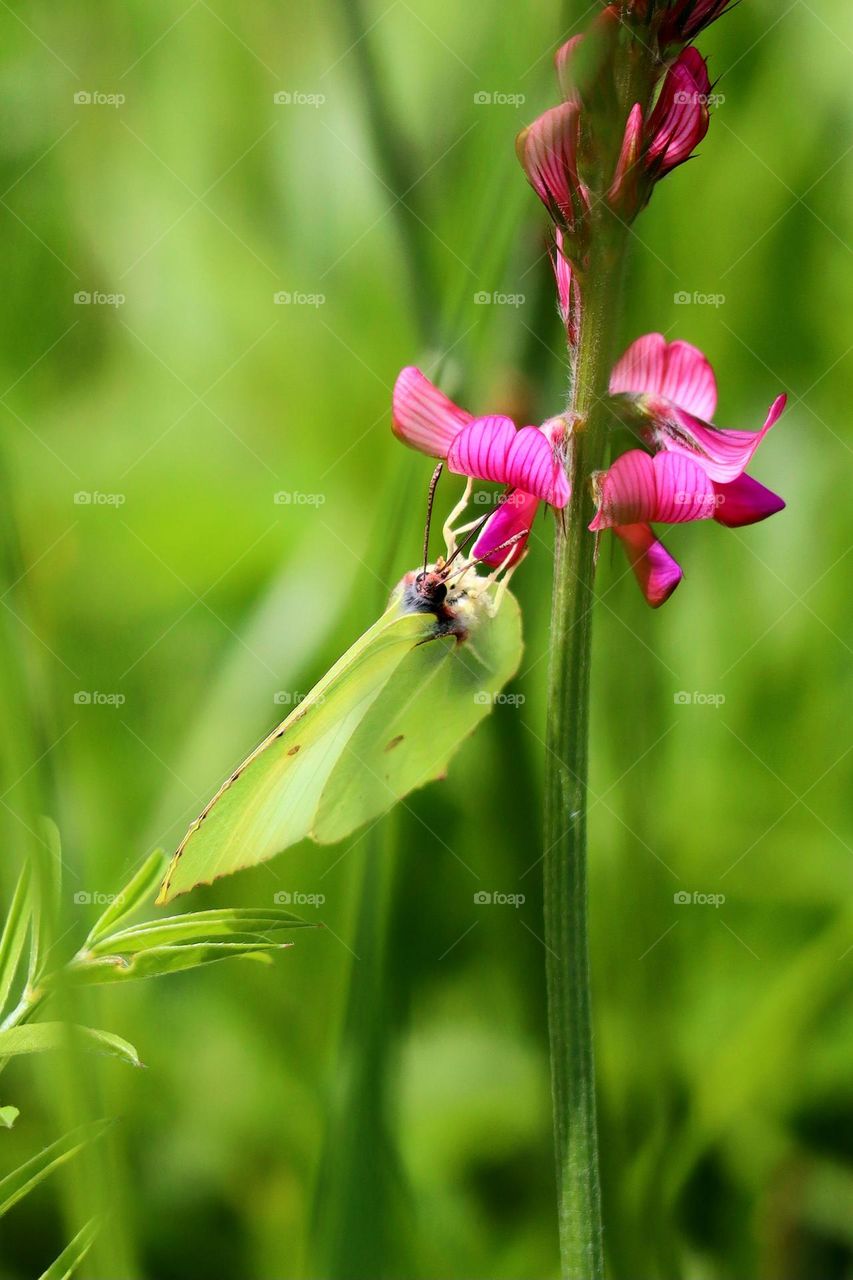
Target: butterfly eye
(439, 592)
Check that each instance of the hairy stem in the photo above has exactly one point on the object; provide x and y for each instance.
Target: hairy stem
(565, 876)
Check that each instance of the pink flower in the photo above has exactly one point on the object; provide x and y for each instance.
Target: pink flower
(668, 390)
(486, 448)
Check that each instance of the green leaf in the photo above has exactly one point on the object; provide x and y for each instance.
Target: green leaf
(47, 890)
(8, 1116)
(22, 1180)
(74, 1253)
(386, 719)
(159, 961)
(42, 1036)
(198, 926)
(14, 935)
(139, 888)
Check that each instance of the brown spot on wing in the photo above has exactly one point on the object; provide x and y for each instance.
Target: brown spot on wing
(293, 750)
(395, 742)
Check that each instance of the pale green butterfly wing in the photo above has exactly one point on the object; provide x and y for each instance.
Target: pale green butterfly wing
(438, 695)
(325, 771)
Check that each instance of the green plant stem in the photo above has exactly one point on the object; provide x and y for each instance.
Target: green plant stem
(565, 876)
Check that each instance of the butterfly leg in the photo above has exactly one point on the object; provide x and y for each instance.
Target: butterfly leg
(448, 532)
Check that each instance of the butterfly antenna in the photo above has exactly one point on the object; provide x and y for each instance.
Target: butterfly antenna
(430, 499)
(510, 542)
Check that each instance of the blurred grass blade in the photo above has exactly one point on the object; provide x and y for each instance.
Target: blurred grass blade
(43, 1036)
(47, 893)
(195, 926)
(22, 1180)
(74, 1253)
(14, 935)
(159, 961)
(134, 895)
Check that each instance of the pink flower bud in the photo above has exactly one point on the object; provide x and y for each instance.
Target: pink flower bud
(687, 18)
(548, 152)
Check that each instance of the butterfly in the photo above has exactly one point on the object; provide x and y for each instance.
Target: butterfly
(385, 720)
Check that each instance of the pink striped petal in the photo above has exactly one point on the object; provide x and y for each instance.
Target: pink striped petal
(515, 515)
(564, 277)
(624, 192)
(547, 150)
(491, 449)
(654, 568)
(680, 117)
(676, 370)
(423, 417)
(745, 501)
(723, 455)
(639, 488)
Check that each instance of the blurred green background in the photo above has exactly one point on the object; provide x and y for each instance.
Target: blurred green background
(377, 1103)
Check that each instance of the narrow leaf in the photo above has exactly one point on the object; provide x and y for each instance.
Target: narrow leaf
(14, 934)
(198, 926)
(42, 1036)
(140, 887)
(22, 1180)
(74, 1253)
(159, 961)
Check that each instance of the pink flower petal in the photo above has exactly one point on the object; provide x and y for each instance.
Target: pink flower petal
(676, 370)
(563, 59)
(564, 277)
(722, 454)
(654, 568)
(745, 501)
(624, 192)
(680, 117)
(423, 417)
(515, 515)
(547, 150)
(491, 449)
(638, 488)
